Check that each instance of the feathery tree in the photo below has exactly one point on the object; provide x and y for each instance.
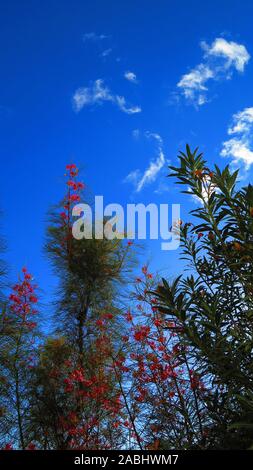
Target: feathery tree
(90, 274)
(18, 338)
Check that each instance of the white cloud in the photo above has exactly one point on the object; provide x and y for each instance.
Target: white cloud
(219, 61)
(136, 133)
(152, 171)
(242, 122)
(193, 84)
(133, 177)
(235, 55)
(130, 76)
(207, 189)
(106, 52)
(139, 179)
(154, 135)
(94, 37)
(99, 93)
(239, 147)
(121, 102)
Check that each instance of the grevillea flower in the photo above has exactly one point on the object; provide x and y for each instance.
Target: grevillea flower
(144, 269)
(74, 198)
(22, 299)
(31, 446)
(141, 333)
(129, 317)
(70, 166)
(157, 322)
(8, 446)
(73, 192)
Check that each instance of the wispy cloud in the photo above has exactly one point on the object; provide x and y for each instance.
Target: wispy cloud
(131, 77)
(136, 133)
(98, 93)
(106, 52)
(139, 179)
(193, 84)
(239, 147)
(220, 59)
(94, 37)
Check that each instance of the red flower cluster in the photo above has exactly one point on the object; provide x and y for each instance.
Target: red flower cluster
(8, 446)
(76, 377)
(73, 191)
(141, 333)
(196, 383)
(22, 300)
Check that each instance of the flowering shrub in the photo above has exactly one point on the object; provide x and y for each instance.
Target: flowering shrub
(18, 357)
(165, 394)
(160, 365)
(22, 302)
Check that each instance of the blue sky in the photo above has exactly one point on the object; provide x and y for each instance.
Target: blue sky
(118, 88)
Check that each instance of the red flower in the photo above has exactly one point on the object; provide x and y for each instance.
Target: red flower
(125, 339)
(14, 298)
(140, 398)
(141, 333)
(144, 270)
(74, 198)
(70, 167)
(109, 316)
(31, 325)
(21, 299)
(157, 322)
(31, 446)
(116, 424)
(8, 447)
(129, 316)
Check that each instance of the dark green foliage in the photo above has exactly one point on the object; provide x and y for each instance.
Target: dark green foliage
(214, 304)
